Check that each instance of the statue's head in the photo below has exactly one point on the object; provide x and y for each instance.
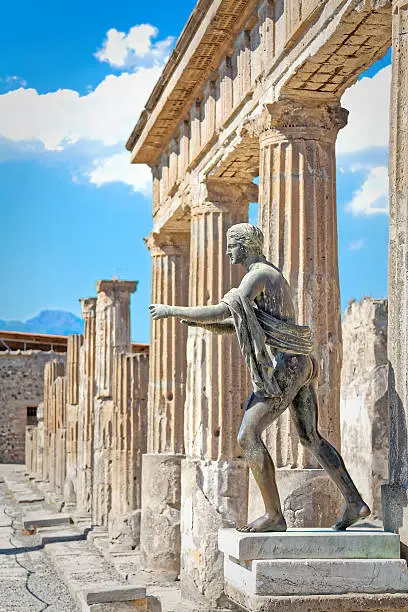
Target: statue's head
(244, 239)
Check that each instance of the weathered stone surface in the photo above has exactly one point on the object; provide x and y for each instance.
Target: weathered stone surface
(112, 325)
(42, 519)
(85, 409)
(308, 497)
(214, 496)
(297, 141)
(113, 594)
(21, 385)
(129, 444)
(72, 399)
(319, 576)
(353, 602)
(161, 498)
(395, 493)
(310, 544)
(364, 398)
(170, 253)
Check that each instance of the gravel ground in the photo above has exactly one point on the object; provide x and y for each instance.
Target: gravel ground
(27, 581)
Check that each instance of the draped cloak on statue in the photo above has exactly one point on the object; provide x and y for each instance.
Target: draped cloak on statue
(255, 330)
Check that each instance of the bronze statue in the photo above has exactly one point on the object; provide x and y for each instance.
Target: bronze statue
(279, 356)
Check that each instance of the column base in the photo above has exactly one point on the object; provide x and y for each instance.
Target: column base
(160, 518)
(394, 499)
(308, 498)
(124, 531)
(214, 495)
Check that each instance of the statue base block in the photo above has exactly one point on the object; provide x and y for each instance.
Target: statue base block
(261, 570)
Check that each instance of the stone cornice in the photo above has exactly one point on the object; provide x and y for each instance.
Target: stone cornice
(208, 35)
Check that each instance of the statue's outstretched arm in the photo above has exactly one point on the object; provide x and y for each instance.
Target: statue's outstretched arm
(222, 327)
(199, 314)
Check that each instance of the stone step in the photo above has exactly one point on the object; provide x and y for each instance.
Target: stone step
(310, 544)
(318, 576)
(33, 520)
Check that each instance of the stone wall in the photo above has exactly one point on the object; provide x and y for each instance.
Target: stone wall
(364, 397)
(21, 385)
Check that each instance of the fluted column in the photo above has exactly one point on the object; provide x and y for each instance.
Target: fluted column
(60, 433)
(52, 370)
(112, 335)
(86, 408)
(214, 478)
(394, 494)
(131, 375)
(160, 541)
(73, 376)
(297, 213)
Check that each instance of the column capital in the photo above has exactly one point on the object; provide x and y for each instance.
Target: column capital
(115, 285)
(88, 306)
(295, 118)
(222, 195)
(168, 243)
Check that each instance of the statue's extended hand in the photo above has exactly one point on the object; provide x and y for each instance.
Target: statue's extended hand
(159, 311)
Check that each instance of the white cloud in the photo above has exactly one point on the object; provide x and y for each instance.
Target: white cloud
(117, 168)
(58, 119)
(356, 245)
(100, 121)
(120, 49)
(372, 197)
(368, 101)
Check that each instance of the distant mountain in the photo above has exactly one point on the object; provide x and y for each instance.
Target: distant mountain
(57, 322)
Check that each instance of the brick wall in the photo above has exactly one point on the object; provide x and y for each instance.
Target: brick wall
(21, 385)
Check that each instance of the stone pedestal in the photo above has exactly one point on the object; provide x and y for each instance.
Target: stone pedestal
(161, 512)
(263, 569)
(308, 497)
(213, 495)
(160, 547)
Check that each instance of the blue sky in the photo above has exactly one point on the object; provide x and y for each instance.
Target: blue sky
(72, 210)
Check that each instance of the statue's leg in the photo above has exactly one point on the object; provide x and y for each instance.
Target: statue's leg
(260, 413)
(291, 373)
(304, 412)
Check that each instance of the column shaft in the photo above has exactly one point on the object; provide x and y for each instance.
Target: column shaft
(86, 409)
(160, 544)
(214, 480)
(297, 214)
(73, 375)
(52, 370)
(394, 494)
(112, 335)
(129, 441)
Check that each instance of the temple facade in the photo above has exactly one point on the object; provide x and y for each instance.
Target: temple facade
(252, 89)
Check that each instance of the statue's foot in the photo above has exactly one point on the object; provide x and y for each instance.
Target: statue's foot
(265, 523)
(353, 512)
